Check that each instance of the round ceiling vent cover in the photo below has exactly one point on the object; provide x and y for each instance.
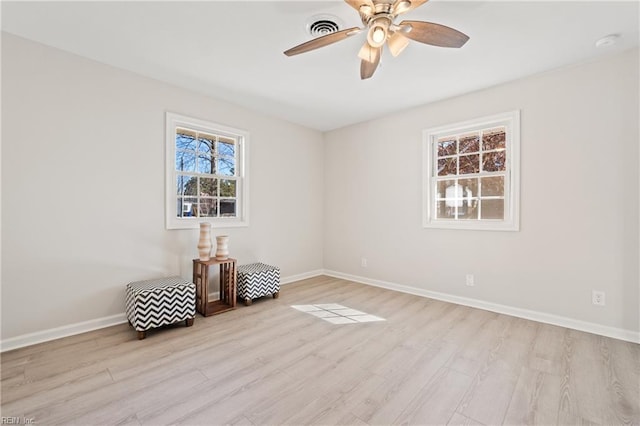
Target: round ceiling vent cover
(320, 25)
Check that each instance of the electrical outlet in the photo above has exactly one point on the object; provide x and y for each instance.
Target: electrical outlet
(363, 262)
(469, 281)
(598, 298)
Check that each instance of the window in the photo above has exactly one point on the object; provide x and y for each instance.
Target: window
(206, 174)
(471, 174)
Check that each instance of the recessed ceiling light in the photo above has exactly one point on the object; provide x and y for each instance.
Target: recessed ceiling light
(609, 40)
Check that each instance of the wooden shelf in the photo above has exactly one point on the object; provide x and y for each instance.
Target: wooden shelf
(217, 307)
(228, 281)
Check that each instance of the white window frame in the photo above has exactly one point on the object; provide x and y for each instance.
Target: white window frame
(174, 121)
(511, 222)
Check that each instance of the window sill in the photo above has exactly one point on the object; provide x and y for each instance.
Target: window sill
(194, 223)
(473, 225)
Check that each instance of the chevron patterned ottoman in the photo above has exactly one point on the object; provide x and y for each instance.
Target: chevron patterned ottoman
(257, 280)
(164, 301)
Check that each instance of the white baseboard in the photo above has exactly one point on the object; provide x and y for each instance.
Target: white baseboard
(83, 327)
(589, 327)
(299, 277)
(95, 324)
(58, 332)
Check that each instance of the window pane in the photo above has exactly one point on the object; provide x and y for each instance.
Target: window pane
(469, 143)
(446, 146)
(185, 206)
(469, 164)
(208, 207)
(447, 166)
(208, 187)
(226, 147)
(181, 183)
(206, 164)
(227, 188)
(492, 209)
(441, 210)
(191, 185)
(185, 139)
(469, 208)
(226, 167)
(470, 187)
(468, 212)
(227, 208)
(205, 143)
(454, 195)
(444, 210)
(493, 186)
(185, 161)
(442, 187)
(461, 199)
(494, 139)
(448, 209)
(494, 161)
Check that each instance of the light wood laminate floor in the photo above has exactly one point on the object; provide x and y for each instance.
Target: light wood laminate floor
(430, 362)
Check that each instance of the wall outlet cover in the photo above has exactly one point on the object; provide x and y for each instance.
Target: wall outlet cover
(469, 280)
(598, 298)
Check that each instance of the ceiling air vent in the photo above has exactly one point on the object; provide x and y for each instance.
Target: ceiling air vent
(320, 25)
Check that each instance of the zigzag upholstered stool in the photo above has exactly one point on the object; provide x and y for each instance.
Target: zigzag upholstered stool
(257, 280)
(164, 301)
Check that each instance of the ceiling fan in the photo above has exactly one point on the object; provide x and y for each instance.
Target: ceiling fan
(377, 17)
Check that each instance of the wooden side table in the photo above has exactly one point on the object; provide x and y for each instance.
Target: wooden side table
(228, 278)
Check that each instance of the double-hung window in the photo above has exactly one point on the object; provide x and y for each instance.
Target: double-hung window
(471, 174)
(206, 174)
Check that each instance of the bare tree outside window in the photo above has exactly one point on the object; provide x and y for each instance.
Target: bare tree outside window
(206, 174)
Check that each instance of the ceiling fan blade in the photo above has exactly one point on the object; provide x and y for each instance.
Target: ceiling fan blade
(368, 68)
(397, 43)
(319, 42)
(433, 34)
(404, 6)
(357, 5)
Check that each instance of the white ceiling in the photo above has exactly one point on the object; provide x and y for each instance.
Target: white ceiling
(232, 50)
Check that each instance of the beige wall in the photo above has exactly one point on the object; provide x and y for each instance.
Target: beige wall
(83, 187)
(83, 190)
(579, 199)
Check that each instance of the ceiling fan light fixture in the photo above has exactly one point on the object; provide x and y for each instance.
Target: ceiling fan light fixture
(378, 33)
(397, 43)
(368, 53)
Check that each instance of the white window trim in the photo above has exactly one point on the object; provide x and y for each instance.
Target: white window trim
(511, 222)
(171, 221)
